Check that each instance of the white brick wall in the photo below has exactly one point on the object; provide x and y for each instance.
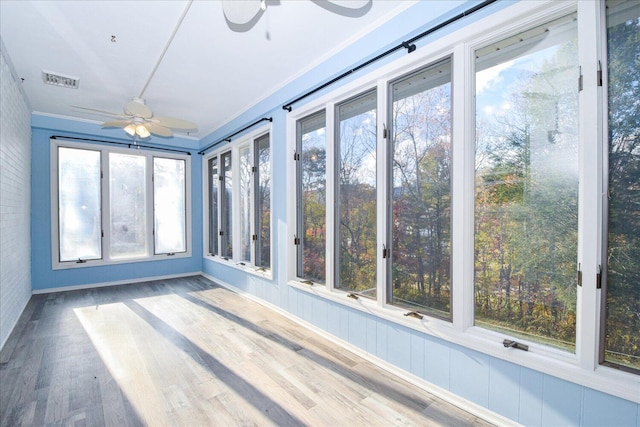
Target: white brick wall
(15, 199)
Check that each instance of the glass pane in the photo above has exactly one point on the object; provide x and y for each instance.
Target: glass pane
(356, 139)
(526, 201)
(245, 204)
(263, 203)
(127, 190)
(169, 205)
(79, 200)
(213, 206)
(421, 194)
(622, 323)
(312, 202)
(225, 207)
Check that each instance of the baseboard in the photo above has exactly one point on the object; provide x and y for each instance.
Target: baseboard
(113, 283)
(446, 395)
(11, 329)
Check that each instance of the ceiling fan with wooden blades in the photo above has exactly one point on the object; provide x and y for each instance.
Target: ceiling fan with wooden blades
(138, 119)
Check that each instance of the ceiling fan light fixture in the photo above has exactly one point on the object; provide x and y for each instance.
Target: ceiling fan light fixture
(130, 129)
(142, 131)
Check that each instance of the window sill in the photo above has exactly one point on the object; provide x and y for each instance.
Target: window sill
(57, 265)
(262, 272)
(551, 361)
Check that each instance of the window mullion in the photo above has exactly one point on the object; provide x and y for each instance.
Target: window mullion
(590, 202)
(462, 189)
(253, 205)
(105, 203)
(382, 194)
(235, 204)
(150, 207)
(331, 168)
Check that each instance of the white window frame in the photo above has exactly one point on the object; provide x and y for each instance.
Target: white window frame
(246, 140)
(581, 367)
(106, 259)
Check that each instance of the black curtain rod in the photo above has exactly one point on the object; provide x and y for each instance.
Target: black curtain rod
(228, 138)
(120, 143)
(404, 45)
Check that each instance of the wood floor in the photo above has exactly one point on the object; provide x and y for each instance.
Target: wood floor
(188, 352)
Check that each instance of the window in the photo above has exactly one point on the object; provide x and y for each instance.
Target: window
(79, 204)
(214, 220)
(239, 206)
(262, 203)
(128, 205)
(477, 188)
(420, 191)
(621, 340)
(117, 205)
(311, 197)
(356, 195)
(245, 203)
(226, 208)
(169, 205)
(526, 201)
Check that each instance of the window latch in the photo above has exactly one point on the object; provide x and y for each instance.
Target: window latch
(307, 282)
(352, 296)
(171, 254)
(515, 344)
(385, 252)
(579, 275)
(81, 261)
(580, 80)
(599, 278)
(414, 314)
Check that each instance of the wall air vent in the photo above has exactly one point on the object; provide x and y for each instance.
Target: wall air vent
(57, 79)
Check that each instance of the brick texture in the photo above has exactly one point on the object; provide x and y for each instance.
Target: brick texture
(15, 200)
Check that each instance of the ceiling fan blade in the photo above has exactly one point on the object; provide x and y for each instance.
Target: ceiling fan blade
(116, 124)
(102, 112)
(136, 107)
(172, 122)
(157, 129)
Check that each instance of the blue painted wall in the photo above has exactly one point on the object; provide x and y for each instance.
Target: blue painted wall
(521, 394)
(43, 277)
(518, 393)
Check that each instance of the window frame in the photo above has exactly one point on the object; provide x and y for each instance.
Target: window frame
(580, 367)
(249, 140)
(105, 150)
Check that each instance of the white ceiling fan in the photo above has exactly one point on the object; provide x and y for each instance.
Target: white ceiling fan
(138, 119)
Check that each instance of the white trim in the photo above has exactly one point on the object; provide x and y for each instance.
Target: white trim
(454, 399)
(113, 283)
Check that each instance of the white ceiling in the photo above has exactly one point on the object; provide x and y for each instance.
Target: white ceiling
(212, 71)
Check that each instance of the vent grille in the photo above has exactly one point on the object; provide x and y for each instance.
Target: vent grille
(60, 80)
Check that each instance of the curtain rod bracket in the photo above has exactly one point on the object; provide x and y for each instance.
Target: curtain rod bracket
(410, 47)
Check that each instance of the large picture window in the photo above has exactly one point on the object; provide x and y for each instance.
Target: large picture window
(79, 204)
(420, 191)
(128, 205)
(117, 205)
(526, 202)
(311, 197)
(356, 195)
(239, 203)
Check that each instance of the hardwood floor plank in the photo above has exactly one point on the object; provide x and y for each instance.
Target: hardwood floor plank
(188, 352)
